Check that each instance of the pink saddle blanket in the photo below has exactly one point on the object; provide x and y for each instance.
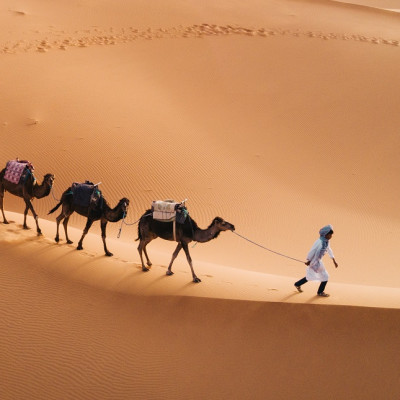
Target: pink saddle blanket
(15, 169)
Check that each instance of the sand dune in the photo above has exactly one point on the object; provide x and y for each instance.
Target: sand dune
(278, 116)
(81, 325)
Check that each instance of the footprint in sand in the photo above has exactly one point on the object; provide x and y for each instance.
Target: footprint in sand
(32, 121)
(18, 13)
(85, 253)
(112, 36)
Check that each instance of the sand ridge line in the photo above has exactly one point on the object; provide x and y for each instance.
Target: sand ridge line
(63, 40)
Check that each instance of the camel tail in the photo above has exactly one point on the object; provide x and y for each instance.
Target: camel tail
(139, 235)
(55, 208)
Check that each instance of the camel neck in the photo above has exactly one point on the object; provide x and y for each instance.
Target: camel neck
(205, 235)
(113, 215)
(40, 191)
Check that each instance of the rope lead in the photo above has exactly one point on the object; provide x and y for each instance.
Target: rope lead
(265, 248)
(122, 222)
(129, 224)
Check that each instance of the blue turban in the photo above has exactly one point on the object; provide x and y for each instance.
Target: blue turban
(322, 232)
(325, 230)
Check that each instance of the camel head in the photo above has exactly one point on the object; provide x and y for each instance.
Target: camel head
(48, 179)
(124, 204)
(223, 225)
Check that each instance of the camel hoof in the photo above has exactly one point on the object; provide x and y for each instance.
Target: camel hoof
(69, 241)
(196, 280)
(26, 227)
(57, 239)
(169, 273)
(40, 233)
(144, 269)
(149, 264)
(5, 222)
(108, 254)
(79, 247)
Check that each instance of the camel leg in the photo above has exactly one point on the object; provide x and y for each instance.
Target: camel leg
(25, 214)
(65, 224)
(149, 263)
(58, 220)
(103, 236)
(142, 248)
(174, 255)
(89, 223)
(1, 205)
(186, 250)
(29, 206)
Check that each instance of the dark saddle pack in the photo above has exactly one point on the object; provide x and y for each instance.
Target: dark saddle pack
(87, 194)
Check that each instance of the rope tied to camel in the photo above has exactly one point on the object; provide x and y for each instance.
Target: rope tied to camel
(52, 193)
(128, 224)
(122, 223)
(266, 248)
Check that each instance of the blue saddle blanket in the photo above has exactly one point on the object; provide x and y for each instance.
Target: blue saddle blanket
(86, 194)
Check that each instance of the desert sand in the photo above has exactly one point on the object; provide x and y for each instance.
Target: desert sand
(280, 116)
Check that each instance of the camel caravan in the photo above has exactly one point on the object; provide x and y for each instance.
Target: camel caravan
(167, 219)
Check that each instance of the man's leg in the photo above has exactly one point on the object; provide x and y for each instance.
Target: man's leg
(322, 287)
(299, 283)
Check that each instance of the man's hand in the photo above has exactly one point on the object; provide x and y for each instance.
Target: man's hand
(336, 264)
(307, 262)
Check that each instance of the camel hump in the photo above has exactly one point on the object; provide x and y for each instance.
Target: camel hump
(17, 171)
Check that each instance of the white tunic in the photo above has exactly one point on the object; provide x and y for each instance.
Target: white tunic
(316, 270)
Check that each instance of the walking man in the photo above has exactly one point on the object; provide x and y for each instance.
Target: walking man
(315, 267)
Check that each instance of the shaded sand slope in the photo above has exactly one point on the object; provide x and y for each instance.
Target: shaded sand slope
(72, 333)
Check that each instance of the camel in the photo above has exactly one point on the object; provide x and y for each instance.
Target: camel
(149, 229)
(28, 190)
(104, 213)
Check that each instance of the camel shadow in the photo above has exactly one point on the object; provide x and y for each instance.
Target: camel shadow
(28, 228)
(155, 280)
(189, 284)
